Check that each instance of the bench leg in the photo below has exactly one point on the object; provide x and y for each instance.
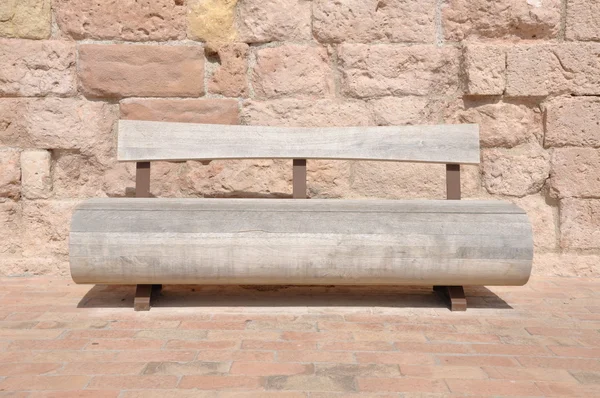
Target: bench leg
(455, 295)
(143, 296)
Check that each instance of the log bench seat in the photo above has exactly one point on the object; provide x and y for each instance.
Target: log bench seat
(443, 243)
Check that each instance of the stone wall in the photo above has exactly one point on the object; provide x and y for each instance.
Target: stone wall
(528, 71)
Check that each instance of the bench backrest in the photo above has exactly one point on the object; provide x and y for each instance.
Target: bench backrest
(145, 141)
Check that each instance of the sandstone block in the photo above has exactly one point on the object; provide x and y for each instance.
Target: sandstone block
(518, 171)
(298, 70)
(129, 20)
(10, 173)
(553, 69)
(46, 227)
(262, 21)
(328, 178)
(575, 173)
(566, 264)
(485, 68)
(501, 124)
(214, 111)
(35, 174)
(483, 19)
(583, 22)
(10, 233)
(390, 111)
(306, 113)
(25, 19)
(60, 123)
(579, 223)
(136, 70)
(229, 77)
(573, 122)
(37, 68)
(543, 218)
(364, 21)
(212, 20)
(386, 69)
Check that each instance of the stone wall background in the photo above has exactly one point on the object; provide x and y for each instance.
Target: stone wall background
(528, 71)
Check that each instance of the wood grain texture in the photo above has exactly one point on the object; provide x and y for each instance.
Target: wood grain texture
(149, 141)
(281, 241)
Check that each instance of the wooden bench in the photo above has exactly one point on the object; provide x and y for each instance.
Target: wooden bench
(154, 241)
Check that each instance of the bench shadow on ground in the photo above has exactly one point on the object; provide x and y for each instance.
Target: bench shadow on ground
(181, 296)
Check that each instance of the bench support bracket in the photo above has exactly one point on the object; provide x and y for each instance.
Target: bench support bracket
(143, 296)
(455, 295)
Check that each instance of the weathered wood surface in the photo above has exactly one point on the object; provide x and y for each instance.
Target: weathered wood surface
(282, 241)
(148, 141)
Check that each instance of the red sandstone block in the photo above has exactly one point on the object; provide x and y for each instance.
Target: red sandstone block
(585, 352)
(463, 337)
(507, 349)
(145, 324)
(66, 344)
(155, 355)
(532, 374)
(233, 325)
(437, 348)
(210, 110)
(443, 372)
(241, 355)
(102, 368)
(100, 334)
(560, 363)
(75, 394)
(269, 369)
(23, 369)
(201, 345)
(317, 336)
(351, 326)
(120, 70)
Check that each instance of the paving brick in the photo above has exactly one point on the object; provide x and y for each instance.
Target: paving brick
(411, 358)
(317, 336)
(355, 370)
(507, 349)
(145, 324)
(23, 369)
(560, 363)
(269, 369)
(310, 383)
(278, 345)
(187, 368)
(477, 360)
(567, 390)
(532, 374)
(102, 368)
(233, 325)
(404, 384)
(240, 355)
(315, 356)
(351, 326)
(443, 372)
(494, 387)
(125, 344)
(155, 355)
(133, 382)
(26, 345)
(219, 382)
(357, 346)
(201, 345)
(44, 382)
(75, 394)
(581, 352)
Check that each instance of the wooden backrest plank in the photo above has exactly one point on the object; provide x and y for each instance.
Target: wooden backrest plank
(149, 141)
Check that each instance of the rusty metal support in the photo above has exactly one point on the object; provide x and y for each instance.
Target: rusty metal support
(453, 181)
(142, 180)
(299, 179)
(454, 295)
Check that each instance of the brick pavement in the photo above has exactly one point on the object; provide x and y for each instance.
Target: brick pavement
(58, 339)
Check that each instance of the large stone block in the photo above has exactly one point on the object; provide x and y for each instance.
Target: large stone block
(306, 113)
(553, 69)
(10, 233)
(573, 122)
(59, 123)
(212, 20)
(46, 227)
(37, 68)
(390, 111)
(566, 264)
(262, 21)
(583, 20)
(130, 20)
(35, 172)
(544, 220)
(489, 19)
(501, 124)
(292, 70)
(575, 173)
(213, 111)
(386, 69)
(365, 21)
(518, 171)
(485, 69)
(580, 224)
(228, 77)
(141, 70)
(10, 172)
(26, 19)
